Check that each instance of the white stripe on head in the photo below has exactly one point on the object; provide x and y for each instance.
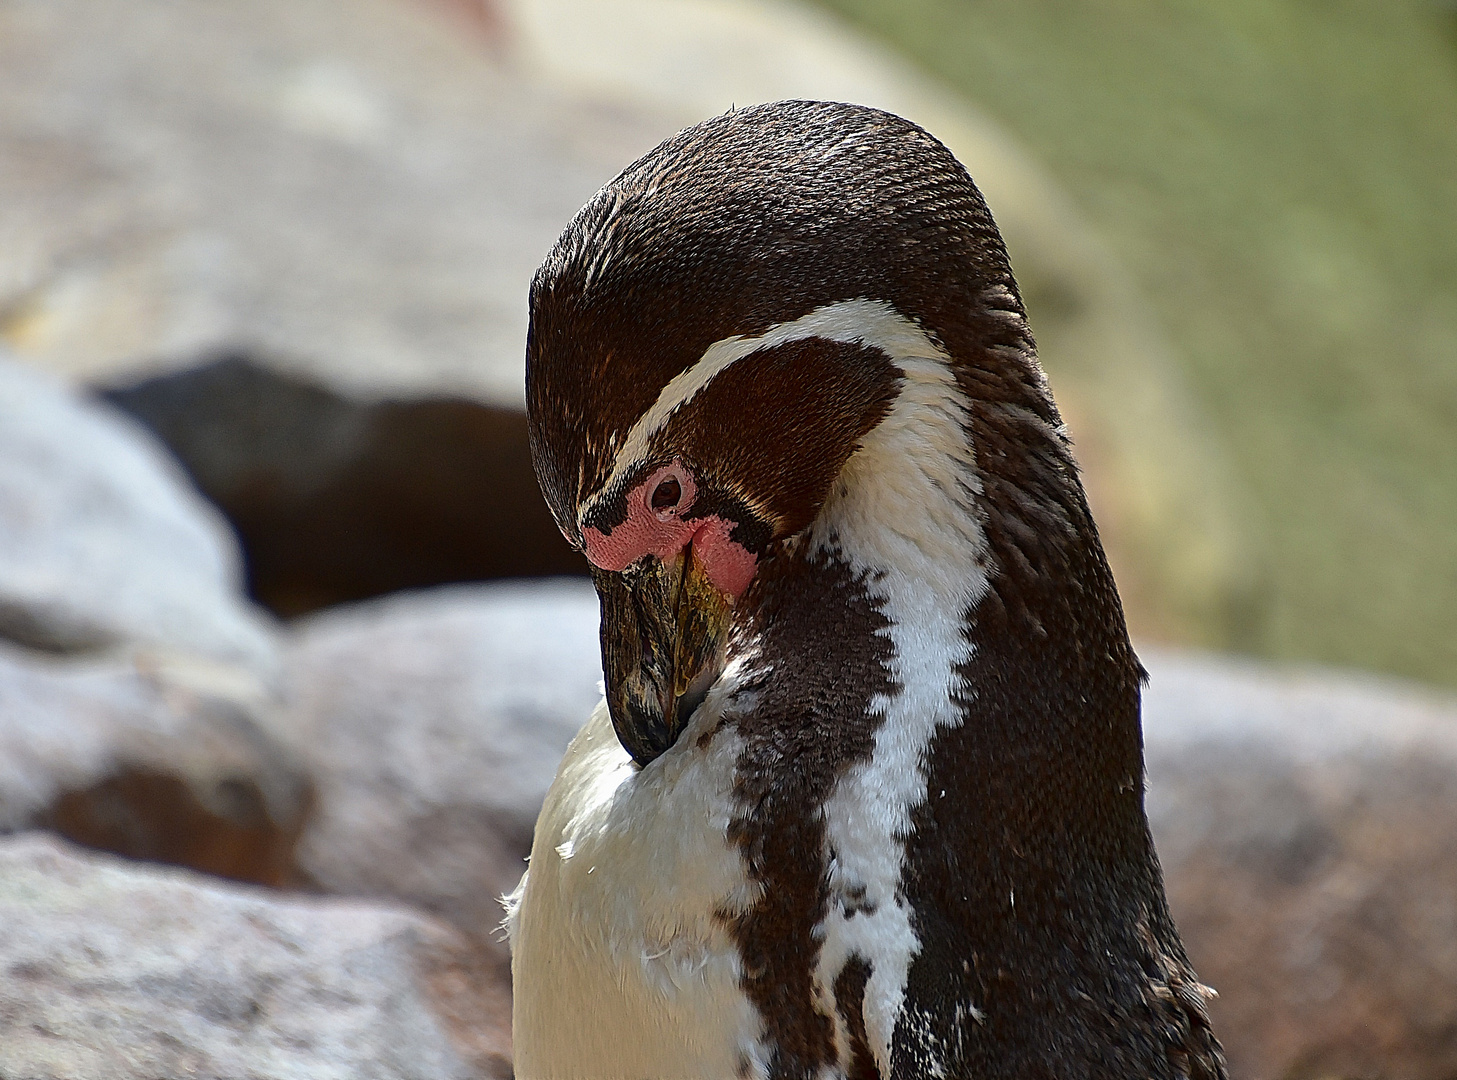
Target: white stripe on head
(903, 515)
(874, 323)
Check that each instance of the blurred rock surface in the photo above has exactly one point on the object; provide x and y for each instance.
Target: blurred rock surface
(152, 760)
(434, 722)
(1306, 824)
(104, 545)
(359, 192)
(359, 189)
(1304, 819)
(115, 970)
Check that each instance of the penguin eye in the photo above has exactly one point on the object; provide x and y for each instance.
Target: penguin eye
(666, 494)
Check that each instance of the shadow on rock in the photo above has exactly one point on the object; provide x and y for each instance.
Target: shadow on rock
(337, 499)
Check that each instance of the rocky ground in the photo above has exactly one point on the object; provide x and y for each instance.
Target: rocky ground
(242, 250)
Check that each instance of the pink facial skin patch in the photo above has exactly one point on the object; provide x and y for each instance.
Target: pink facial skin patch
(730, 566)
(662, 532)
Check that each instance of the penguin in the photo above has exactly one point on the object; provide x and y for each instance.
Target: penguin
(864, 798)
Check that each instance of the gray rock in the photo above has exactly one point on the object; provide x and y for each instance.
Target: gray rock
(157, 761)
(1305, 820)
(104, 543)
(110, 970)
(360, 190)
(436, 721)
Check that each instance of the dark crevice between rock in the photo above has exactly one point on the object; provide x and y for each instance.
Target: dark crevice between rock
(337, 500)
(241, 821)
(151, 816)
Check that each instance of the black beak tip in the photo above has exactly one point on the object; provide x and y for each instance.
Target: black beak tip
(643, 733)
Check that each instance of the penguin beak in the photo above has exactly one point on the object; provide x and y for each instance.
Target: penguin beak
(664, 636)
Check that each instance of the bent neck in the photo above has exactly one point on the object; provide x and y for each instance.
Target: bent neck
(1005, 649)
(941, 781)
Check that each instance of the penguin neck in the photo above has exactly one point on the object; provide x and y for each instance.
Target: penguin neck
(965, 530)
(855, 639)
(942, 761)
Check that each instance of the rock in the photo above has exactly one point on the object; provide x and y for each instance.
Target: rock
(1305, 821)
(359, 192)
(104, 544)
(152, 760)
(436, 721)
(351, 195)
(337, 499)
(109, 969)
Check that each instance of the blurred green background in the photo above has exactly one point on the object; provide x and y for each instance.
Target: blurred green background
(1281, 179)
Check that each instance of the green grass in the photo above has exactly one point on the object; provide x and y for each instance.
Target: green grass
(1280, 177)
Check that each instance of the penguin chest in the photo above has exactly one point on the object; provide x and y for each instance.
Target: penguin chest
(621, 961)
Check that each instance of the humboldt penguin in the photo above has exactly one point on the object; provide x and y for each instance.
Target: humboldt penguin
(865, 797)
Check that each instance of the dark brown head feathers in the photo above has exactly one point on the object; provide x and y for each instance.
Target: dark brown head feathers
(751, 219)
